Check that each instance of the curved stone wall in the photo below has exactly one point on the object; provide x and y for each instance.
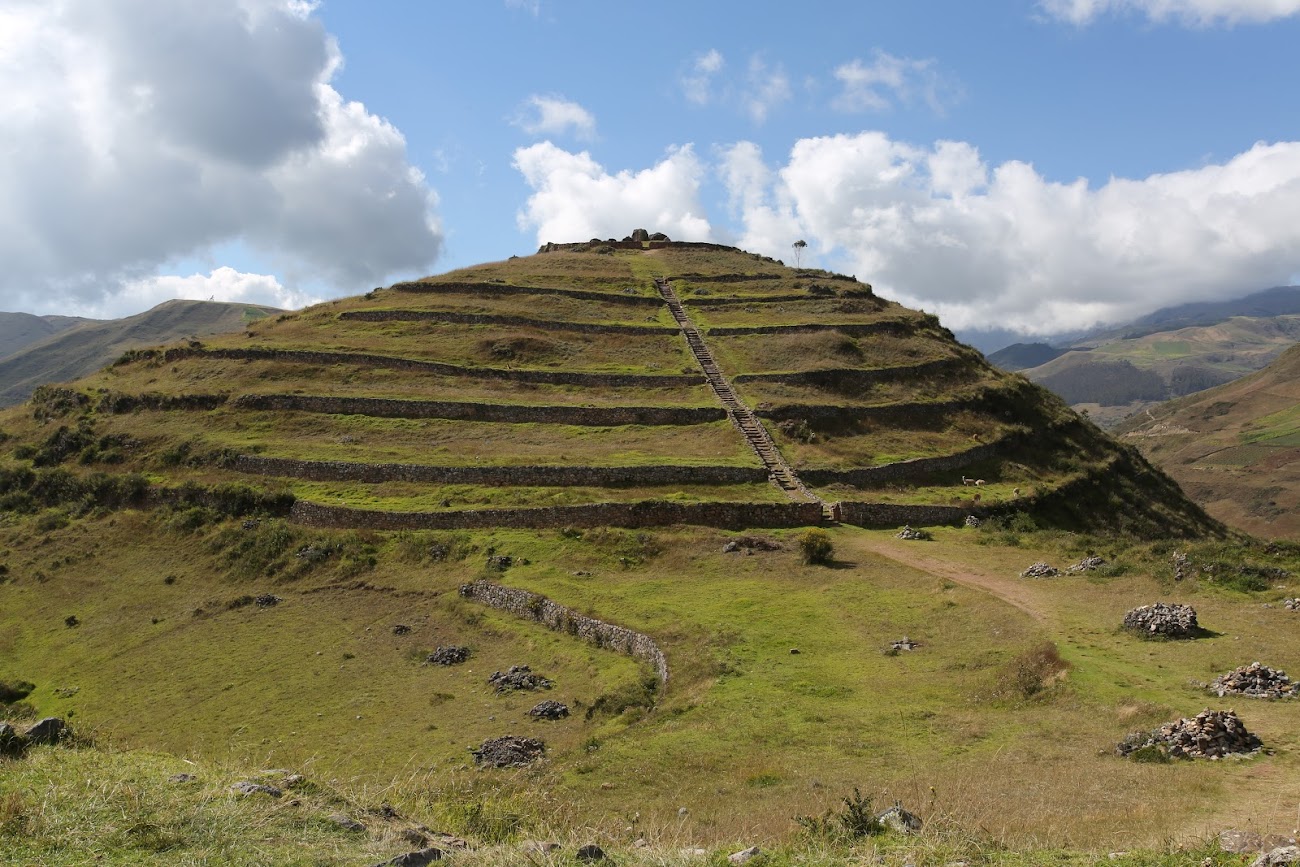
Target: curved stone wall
(648, 513)
(857, 376)
(508, 289)
(494, 319)
(904, 470)
(592, 416)
(853, 329)
(535, 607)
(537, 476)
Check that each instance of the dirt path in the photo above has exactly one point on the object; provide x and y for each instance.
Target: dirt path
(1010, 589)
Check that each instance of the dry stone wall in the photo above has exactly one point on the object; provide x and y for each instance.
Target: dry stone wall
(365, 359)
(535, 607)
(508, 289)
(904, 470)
(595, 416)
(494, 319)
(649, 513)
(881, 516)
(853, 329)
(858, 377)
(542, 476)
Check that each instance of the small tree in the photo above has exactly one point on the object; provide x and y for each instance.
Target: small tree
(799, 247)
(816, 547)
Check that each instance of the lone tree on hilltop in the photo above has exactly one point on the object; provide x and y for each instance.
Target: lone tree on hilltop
(799, 247)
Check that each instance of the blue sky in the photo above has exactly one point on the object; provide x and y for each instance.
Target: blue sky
(1036, 166)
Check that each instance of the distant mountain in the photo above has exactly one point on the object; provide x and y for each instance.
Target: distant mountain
(1019, 356)
(73, 352)
(21, 329)
(1278, 301)
(1235, 449)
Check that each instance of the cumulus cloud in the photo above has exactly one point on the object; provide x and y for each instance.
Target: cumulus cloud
(574, 198)
(766, 89)
(1201, 13)
(888, 80)
(555, 115)
(1002, 246)
(698, 82)
(221, 284)
(138, 132)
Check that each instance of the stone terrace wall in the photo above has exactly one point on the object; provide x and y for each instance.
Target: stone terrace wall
(365, 359)
(493, 319)
(594, 416)
(881, 516)
(904, 470)
(532, 606)
(649, 513)
(508, 289)
(541, 476)
(899, 414)
(858, 377)
(116, 402)
(854, 329)
(711, 301)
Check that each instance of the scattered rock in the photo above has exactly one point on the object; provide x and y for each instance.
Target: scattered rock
(744, 856)
(11, 743)
(499, 562)
(901, 644)
(268, 600)
(413, 859)
(899, 820)
(509, 751)
(794, 651)
(293, 780)
(246, 788)
(1040, 570)
(539, 847)
(346, 822)
(913, 535)
(549, 709)
(453, 654)
(1249, 843)
(750, 544)
(250, 524)
(1087, 564)
(1292, 604)
(972, 521)
(401, 629)
(1280, 855)
(1180, 565)
(50, 730)
(1163, 619)
(518, 678)
(1259, 681)
(182, 778)
(589, 853)
(312, 553)
(1211, 734)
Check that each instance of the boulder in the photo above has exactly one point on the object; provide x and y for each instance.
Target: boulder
(413, 859)
(590, 853)
(346, 822)
(1280, 855)
(11, 743)
(640, 235)
(50, 730)
(899, 820)
(247, 789)
(744, 856)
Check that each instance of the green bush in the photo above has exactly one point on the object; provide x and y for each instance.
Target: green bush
(816, 547)
(854, 819)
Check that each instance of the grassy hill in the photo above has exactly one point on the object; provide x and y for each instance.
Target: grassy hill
(242, 551)
(1235, 448)
(17, 330)
(76, 348)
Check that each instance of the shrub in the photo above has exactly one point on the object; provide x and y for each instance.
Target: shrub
(854, 819)
(15, 691)
(1030, 673)
(816, 547)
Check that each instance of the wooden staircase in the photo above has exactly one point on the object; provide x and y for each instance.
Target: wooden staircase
(779, 472)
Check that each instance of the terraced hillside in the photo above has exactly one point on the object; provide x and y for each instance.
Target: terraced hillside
(594, 385)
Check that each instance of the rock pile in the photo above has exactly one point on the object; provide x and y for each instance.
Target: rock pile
(1256, 680)
(1087, 564)
(972, 521)
(901, 644)
(1040, 570)
(509, 751)
(913, 535)
(267, 600)
(1292, 604)
(518, 677)
(550, 710)
(1211, 734)
(454, 654)
(1163, 619)
(1180, 565)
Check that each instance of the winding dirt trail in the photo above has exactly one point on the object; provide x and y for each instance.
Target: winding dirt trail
(1011, 590)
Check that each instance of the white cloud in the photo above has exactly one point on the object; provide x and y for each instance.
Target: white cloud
(1201, 13)
(534, 7)
(574, 198)
(886, 80)
(767, 88)
(222, 284)
(124, 150)
(697, 84)
(555, 115)
(1003, 246)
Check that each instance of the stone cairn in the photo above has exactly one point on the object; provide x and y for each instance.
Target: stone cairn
(518, 677)
(1163, 619)
(509, 751)
(1211, 734)
(1040, 570)
(913, 535)
(1259, 681)
(1087, 564)
(1180, 566)
(972, 521)
(550, 709)
(1292, 604)
(453, 655)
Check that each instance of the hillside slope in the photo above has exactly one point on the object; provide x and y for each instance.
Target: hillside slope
(18, 330)
(86, 345)
(1236, 448)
